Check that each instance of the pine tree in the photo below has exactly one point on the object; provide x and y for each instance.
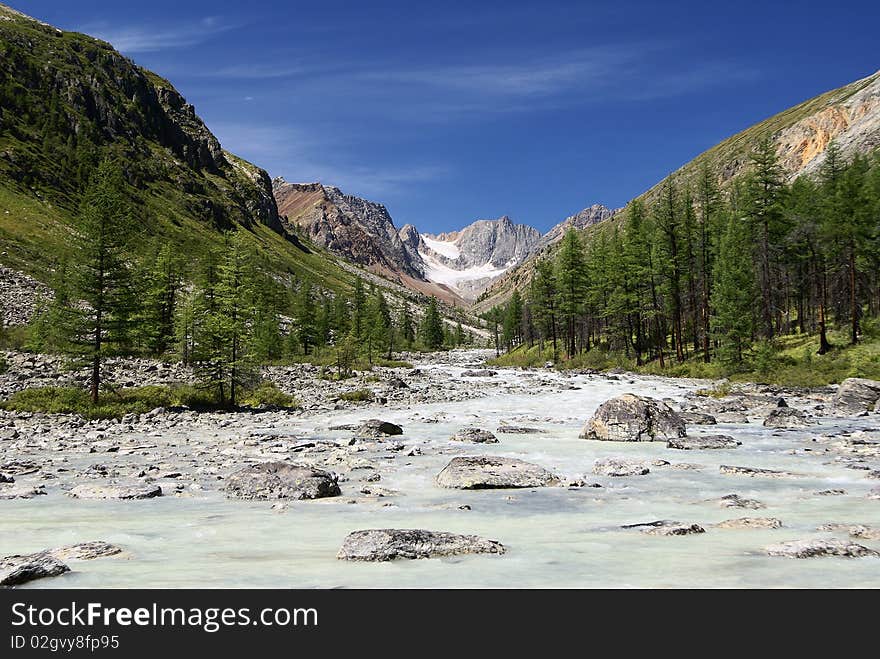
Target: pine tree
(571, 284)
(733, 297)
(306, 331)
(405, 322)
(101, 272)
(543, 297)
(359, 307)
(161, 282)
(431, 333)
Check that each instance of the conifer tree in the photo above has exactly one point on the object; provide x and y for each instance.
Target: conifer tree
(571, 285)
(431, 334)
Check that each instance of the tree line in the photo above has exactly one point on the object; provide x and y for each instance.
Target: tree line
(224, 315)
(701, 273)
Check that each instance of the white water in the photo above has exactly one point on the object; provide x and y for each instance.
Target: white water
(555, 537)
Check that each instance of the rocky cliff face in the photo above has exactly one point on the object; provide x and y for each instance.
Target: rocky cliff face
(585, 218)
(80, 99)
(359, 230)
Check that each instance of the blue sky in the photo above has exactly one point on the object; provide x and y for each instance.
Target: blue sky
(449, 112)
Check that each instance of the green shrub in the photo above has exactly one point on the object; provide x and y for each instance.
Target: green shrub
(268, 395)
(357, 396)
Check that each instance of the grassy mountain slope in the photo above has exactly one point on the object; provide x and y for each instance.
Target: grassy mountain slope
(849, 115)
(66, 101)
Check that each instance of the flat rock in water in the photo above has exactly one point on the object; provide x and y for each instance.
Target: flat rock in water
(703, 442)
(736, 501)
(865, 532)
(477, 435)
(518, 430)
(620, 467)
(376, 429)
(478, 373)
(694, 418)
(21, 491)
(15, 570)
(754, 471)
(819, 547)
(787, 417)
(281, 480)
(856, 395)
(115, 492)
(490, 472)
(85, 551)
(750, 523)
(391, 544)
(731, 417)
(631, 418)
(667, 527)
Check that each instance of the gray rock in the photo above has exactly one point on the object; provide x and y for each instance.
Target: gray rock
(856, 395)
(115, 492)
(377, 429)
(631, 418)
(479, 373)
(703, 442)
(391, 544)
(667, 527)
(21, 491)
(819, 547)
(830, 493)
(474, 435)
(754, 471)
(281, 480)
(736, 501)
(15, 570)
(519, 430)
(731, 417)
(85, 551)
(490, 472)
(750, 523)
(6, 479)
(620, 467)
(695, 418)
(787, 417)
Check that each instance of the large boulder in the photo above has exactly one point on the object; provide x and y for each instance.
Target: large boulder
(389, 544)
(787, 417)
(377, 429)
(125, 492)
(15, 570)
(856, 395)
(620, 467)
(819, 547)
(477, 435)
(631, 418)
(85, 551)
(281, 480)
(489, 472)
(703, 442)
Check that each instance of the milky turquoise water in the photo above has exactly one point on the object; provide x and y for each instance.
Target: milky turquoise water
(556, 537)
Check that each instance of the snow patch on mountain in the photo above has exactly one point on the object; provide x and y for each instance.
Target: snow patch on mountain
(446, 248)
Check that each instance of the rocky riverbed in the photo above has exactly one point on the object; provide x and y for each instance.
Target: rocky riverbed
(423, 496)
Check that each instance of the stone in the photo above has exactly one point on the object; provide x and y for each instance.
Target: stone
(125, 492)
(731, 417)
(478, 373)
(631, 418)
(85, 551)
(474, 435)
(6, 479)
(787, 417)
(377, 429)
(750, 523)
(695, 418)
(819, 547)
(855, 395)
(703, 442)
(736, 501)
(19, 569)
(281, 480)
(830, 493)
(754, 471)
(490, 472)
(620, 467)
(391, 544)
(21, 491)
(519, 430)
(667, 527)
(397, 383)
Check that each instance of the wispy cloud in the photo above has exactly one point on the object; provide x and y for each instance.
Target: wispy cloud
(257, 72)
(145, 39)
(302, 157)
